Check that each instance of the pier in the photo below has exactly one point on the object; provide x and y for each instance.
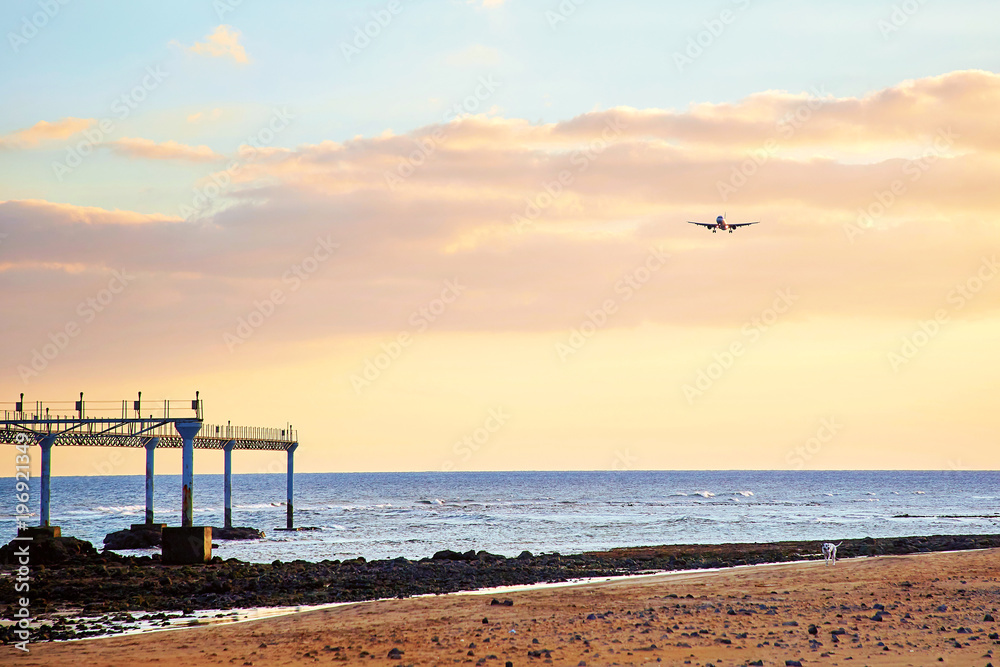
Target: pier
(150, 425)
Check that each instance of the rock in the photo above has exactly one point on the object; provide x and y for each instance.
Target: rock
(237, 533)
(988, 618)
(395, 654)
(448, 554)
(50, 551)
(132, 539)
(813, 630)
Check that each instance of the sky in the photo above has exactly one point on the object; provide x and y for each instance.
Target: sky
(451, 235)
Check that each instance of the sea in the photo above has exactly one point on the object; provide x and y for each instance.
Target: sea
(414, 515)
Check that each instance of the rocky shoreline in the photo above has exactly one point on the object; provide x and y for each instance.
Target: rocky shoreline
(70, 578)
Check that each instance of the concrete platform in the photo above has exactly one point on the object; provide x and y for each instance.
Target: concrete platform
(186, 545)
(157, 527)
(40, 531)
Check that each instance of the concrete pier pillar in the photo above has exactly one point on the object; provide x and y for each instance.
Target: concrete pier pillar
(228, 484)
(46, 442)
(290, 523)
(187, 431)
(150, 445)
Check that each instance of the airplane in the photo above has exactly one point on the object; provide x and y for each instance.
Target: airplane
(720, 223)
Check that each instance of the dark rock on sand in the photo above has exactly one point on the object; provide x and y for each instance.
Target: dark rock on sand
(47, 551)
(132, 539)
(77, 576)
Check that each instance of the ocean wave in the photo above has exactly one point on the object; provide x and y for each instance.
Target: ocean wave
(120, 509)
(704, 494)
(745, 494)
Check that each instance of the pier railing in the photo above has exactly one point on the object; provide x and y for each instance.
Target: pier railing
(144, 409)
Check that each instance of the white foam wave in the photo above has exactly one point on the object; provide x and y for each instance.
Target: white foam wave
(120, 509)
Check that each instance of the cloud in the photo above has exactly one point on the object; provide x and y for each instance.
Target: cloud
(542, 221)
(202, 116)
(44, 131)
(222, 43)
(136, 147)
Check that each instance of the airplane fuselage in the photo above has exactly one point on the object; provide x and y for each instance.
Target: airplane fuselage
(720, 223)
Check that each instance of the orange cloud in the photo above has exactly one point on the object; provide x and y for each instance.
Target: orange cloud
(544, 220)
(44, 131)
(136, 147)
(224, 42)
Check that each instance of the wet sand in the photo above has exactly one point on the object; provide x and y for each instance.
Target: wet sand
(934, 607)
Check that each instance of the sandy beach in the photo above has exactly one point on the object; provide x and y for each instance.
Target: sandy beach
(893, 610)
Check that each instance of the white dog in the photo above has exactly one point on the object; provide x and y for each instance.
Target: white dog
(830, 552)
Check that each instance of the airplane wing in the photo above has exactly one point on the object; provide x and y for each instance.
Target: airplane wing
(703, 224)
(744, 224)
